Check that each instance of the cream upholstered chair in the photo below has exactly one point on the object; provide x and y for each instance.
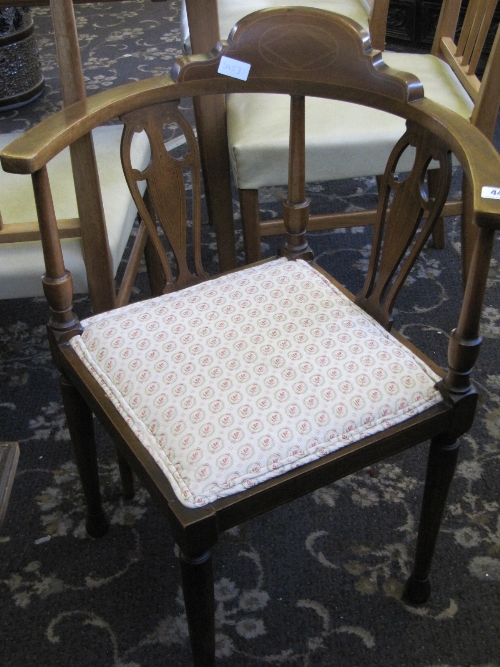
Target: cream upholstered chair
(355, 142)
(21, 258)
(203, 23)
(233, 395)
(371, 15)
(21, 262)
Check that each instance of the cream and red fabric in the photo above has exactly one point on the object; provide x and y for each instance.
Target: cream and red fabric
(241, 378)
(21, 264)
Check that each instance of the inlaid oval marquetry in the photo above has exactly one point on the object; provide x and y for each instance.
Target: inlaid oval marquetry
(280, 46)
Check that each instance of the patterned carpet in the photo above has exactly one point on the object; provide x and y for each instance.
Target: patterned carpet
(314, 584)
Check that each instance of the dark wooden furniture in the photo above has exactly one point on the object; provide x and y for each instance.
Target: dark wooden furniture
(232, 395)
(414, 22)
(9, 456)
(21, 79)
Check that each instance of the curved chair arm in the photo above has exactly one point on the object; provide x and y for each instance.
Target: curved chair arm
(349, 47)
(35, 148)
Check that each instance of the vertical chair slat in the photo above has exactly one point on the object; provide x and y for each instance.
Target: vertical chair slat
(296, 207)
(472, 10)
(482, 35)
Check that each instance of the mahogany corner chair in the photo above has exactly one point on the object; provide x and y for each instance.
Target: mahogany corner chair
(231, 395)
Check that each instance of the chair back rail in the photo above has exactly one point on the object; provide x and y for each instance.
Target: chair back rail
(83, 162)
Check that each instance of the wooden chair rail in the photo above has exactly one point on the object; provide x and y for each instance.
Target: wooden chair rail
(353, 219)
(29, 231)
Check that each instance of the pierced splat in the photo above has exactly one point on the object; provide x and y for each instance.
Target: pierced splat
(400, 234)
(164, 176)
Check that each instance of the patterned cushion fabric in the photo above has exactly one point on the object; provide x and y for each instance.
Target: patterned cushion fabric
(241, 378)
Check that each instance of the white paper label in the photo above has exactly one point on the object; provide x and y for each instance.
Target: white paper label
(234, 68)
(490, 193)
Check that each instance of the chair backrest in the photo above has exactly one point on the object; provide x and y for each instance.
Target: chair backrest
(299, 52)
(464, 56)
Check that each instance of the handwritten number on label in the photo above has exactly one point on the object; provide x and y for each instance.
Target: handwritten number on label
(490, 193)
(234, 68)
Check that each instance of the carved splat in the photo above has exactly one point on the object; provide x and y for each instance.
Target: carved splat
(165, 178)
(400, 234)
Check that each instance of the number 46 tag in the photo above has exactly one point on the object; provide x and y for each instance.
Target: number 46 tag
(490, 193)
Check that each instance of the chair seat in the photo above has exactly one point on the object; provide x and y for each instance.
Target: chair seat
(231, 11)
(21, 264)
(342, 140)
(241, 378)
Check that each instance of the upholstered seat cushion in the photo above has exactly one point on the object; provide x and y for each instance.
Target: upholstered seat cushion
(342, 140)
(21, 264)
(231, 11)
(242, 378)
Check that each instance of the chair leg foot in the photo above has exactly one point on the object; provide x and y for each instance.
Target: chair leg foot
(416, 591)
(96, 525)
(443, 455)
(198, 589)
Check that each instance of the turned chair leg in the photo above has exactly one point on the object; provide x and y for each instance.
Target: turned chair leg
(443, 455)
(81, 429)
(198, 588)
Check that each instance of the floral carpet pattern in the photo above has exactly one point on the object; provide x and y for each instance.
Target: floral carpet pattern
(314, 584)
